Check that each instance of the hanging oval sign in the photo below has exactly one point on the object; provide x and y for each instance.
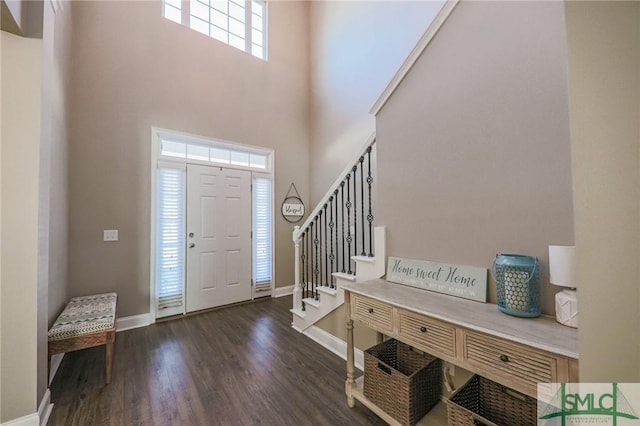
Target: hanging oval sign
(292, 209)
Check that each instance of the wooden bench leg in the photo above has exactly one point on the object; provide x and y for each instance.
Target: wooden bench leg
(109, 346)
(109, 361)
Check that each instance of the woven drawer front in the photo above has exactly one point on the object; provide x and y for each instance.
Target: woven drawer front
(373, 313)
(432, 336)
(521, 366)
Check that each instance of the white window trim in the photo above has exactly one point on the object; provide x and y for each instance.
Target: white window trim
(187, 138)
(248, 41)
(158, 160)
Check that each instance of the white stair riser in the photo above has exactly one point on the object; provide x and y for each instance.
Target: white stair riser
(367, 269)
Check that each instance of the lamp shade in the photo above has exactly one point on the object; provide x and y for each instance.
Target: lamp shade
(562, 266)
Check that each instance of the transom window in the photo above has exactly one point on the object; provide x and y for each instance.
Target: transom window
(238, 23)
(214, 152)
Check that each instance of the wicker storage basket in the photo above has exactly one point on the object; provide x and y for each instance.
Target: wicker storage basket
(405, 383)
(483, 402)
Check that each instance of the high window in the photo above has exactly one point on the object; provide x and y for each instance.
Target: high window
(238, 23)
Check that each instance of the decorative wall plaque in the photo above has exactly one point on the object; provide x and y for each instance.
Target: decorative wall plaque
(292, 206)
(468, 282)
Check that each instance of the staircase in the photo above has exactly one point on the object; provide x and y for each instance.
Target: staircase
(336, 243)
(331, 298)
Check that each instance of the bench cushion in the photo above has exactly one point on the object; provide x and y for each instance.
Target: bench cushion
(85, 315)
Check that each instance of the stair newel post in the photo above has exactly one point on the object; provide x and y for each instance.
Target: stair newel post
(349, 236)
(342, 221)
(370, 215)
(297, 290)
(331, 254)
(363, 253)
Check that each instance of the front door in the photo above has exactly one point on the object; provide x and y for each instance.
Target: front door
(218, 236)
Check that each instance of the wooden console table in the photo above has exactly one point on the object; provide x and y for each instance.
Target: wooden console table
(516, 352)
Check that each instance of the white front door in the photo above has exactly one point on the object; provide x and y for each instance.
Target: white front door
(218, 236)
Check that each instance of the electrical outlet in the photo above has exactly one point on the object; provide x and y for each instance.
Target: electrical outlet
(110, 235)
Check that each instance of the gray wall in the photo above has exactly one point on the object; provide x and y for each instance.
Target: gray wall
(473, 147)
(57, 38)
(34, 200)
(604, 69)
(20, 156)
(132, 70)
(22, 17)
(53, 203)
(355, 49)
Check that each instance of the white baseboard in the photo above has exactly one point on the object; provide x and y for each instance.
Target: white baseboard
(36, 419)
(56, 360)
(334, 344)
(283, 291)
(134, 321)
(45, 408)
(30, 420)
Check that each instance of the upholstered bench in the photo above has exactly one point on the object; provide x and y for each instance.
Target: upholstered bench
(86, 322)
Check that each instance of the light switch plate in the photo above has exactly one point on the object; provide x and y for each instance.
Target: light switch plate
(110, 235)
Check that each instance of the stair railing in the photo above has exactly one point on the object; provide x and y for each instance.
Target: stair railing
(339, 227)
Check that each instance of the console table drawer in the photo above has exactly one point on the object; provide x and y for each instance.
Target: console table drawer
(375, 314)
(519, 366)
(434, 337)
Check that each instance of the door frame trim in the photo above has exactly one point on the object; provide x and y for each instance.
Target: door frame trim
(157, 159)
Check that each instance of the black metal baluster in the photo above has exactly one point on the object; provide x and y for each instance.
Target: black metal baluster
(363, 253)
(312, 264)
(370, 215)
(331, 255)
(320, 228)
(310, 257)
(304, 266)
(355, 213)
(349, 237)
(335, 196)
(327, 278)
(316, 269)
(342, 220)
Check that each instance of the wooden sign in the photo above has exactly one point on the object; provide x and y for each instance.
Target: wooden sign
(468, 282)
(293, 209)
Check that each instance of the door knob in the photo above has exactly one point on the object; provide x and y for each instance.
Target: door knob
(192, 245)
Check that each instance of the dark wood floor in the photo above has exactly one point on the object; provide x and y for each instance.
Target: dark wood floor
(242, 365)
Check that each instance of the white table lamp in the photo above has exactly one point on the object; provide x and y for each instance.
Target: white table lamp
(562, 273)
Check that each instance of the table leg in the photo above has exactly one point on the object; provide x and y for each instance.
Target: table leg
(350, 354)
